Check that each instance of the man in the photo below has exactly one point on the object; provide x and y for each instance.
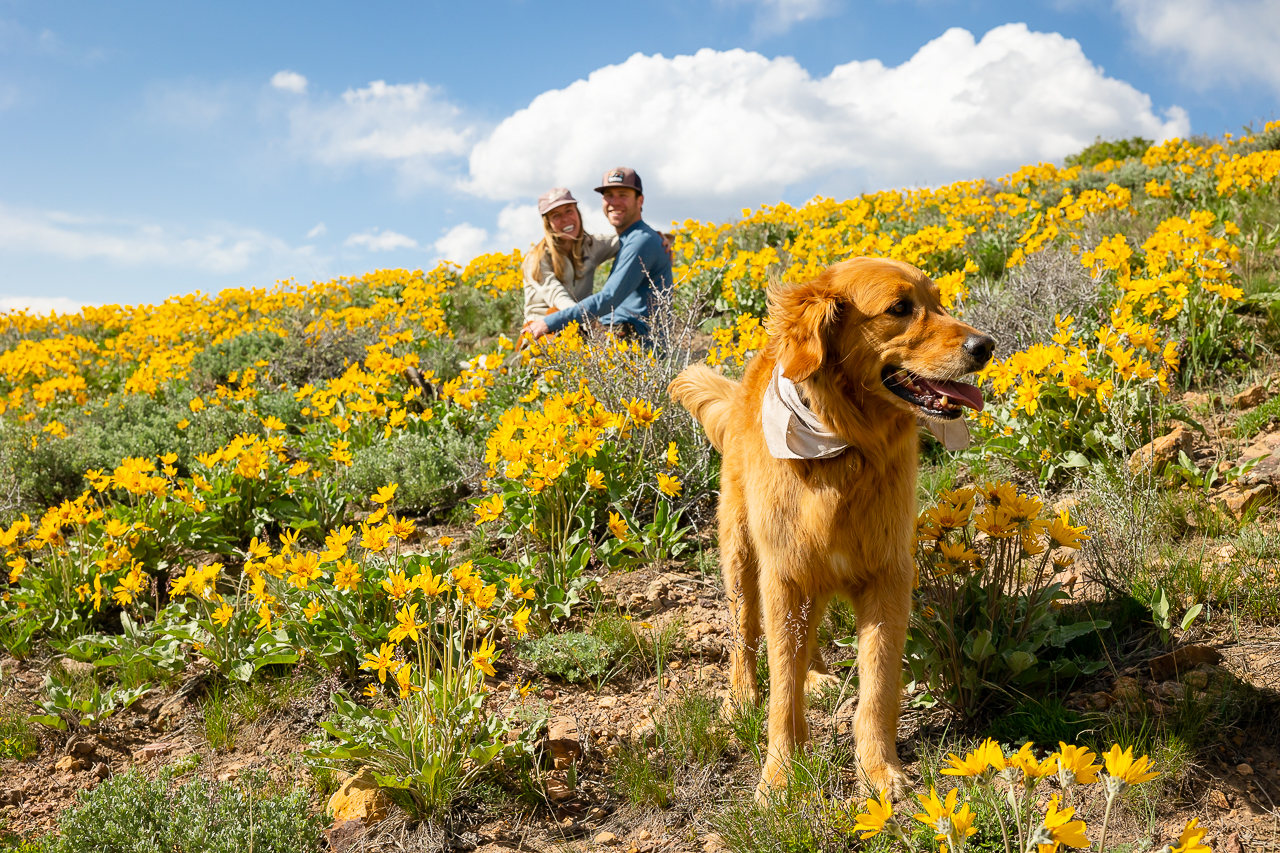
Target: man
(641, 272)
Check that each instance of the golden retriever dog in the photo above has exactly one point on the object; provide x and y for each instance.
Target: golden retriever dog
(860, 353)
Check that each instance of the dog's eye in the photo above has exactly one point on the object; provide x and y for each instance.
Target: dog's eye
(901, 308)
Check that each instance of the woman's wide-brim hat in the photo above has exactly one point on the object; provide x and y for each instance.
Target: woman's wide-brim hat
(553, 198)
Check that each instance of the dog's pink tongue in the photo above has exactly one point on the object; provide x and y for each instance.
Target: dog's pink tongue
(960, 392)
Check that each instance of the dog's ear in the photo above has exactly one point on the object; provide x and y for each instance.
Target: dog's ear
(800, 319)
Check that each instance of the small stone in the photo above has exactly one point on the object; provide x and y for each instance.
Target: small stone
(713, 843)
(1254, 395)
(558, 789)
(1197, 679)
(710, 672)
(645, 733)
(657, 590)
(607, 701)
(11, 797)
(644, 835)
(82, 748)
(1244, 769)
(68, 764)
(1101, 701)
(675, 664)
(1170, 691)
(564, 741)
(1193, 400)
(1218, 799)
(101, 770)
(606, 839)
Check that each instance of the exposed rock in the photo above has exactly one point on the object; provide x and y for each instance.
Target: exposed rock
(360, 799)
(564, 741)
(1159, 453)
(713, 843)
(607, 701)
(68, 764)
(1170, 691)
(657, 590)
(1255, 395)
(1182, 660)
(606, 839)
(1197, 679)
(81, 747)
(76, 668)
(645, 733)
(1239, 499)
(11, 796)
(102, 770)
(1244, 769)
(558, 789)
(1101, 701)
(1219, 799)
(152, 750)
(1127, 690)
(1232, 844)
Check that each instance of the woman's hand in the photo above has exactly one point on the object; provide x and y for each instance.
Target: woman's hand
(537, 328)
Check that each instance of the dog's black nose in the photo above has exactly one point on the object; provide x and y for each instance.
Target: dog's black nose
(980, 347)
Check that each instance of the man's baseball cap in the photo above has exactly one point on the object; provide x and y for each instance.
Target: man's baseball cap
(621, 177)
(553, 198)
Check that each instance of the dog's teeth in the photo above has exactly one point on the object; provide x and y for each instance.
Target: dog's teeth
(946, 404)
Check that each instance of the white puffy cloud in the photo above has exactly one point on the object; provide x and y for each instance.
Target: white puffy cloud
(519, 227)
(42, 304)
(318, 231)
(411, 125)
(1214, 40)
(722, 129)
(381, 241)
(462, 242)
(226, 249)
(289, 81)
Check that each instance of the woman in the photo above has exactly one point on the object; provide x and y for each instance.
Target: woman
(561, 269)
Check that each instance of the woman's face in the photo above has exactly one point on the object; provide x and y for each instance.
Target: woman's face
(565, 222)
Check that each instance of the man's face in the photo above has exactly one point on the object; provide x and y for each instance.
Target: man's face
(622, 206)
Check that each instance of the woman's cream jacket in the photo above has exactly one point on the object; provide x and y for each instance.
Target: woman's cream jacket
(545, 292)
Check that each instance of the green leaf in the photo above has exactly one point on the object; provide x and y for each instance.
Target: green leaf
(1019, 661)
(977, 646)
(1190, 616)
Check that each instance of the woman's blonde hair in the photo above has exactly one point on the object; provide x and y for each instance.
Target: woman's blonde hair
(550, 244)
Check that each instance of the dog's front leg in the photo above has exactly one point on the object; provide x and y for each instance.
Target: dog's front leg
(786, 627)
(882, 609)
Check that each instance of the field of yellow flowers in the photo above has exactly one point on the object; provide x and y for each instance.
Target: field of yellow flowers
(372, 487)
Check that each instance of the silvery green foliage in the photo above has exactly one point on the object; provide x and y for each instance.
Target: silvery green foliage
(130, 813)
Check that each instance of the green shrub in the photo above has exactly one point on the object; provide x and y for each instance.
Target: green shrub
(573, 656)
(18, 739)
(130, 813)
(215, 364)
(1111, 149)
(428, 469)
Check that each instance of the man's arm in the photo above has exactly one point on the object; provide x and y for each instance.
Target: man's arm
(627, 275)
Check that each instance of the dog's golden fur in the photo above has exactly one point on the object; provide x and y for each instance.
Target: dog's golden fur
(794, 533)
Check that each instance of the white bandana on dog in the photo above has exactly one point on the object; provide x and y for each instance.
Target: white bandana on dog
(793, 431)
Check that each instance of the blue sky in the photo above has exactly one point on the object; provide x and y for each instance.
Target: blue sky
(149, 149)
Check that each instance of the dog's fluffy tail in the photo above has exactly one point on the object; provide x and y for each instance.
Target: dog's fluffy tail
(708, 396)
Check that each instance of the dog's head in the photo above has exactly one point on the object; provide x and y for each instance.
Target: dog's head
(875, 330)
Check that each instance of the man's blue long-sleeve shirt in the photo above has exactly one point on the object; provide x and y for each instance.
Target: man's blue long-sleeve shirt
(641, 271)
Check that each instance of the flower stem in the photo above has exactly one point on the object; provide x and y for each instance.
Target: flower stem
(1106, 818)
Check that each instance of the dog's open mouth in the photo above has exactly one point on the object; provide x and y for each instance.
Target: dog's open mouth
(937, 398)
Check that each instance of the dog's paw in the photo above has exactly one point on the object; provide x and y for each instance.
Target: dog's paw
(773, 778)
(887, 778)
(816, 682)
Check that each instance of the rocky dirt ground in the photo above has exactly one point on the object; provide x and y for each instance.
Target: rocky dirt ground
(1232, 785)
